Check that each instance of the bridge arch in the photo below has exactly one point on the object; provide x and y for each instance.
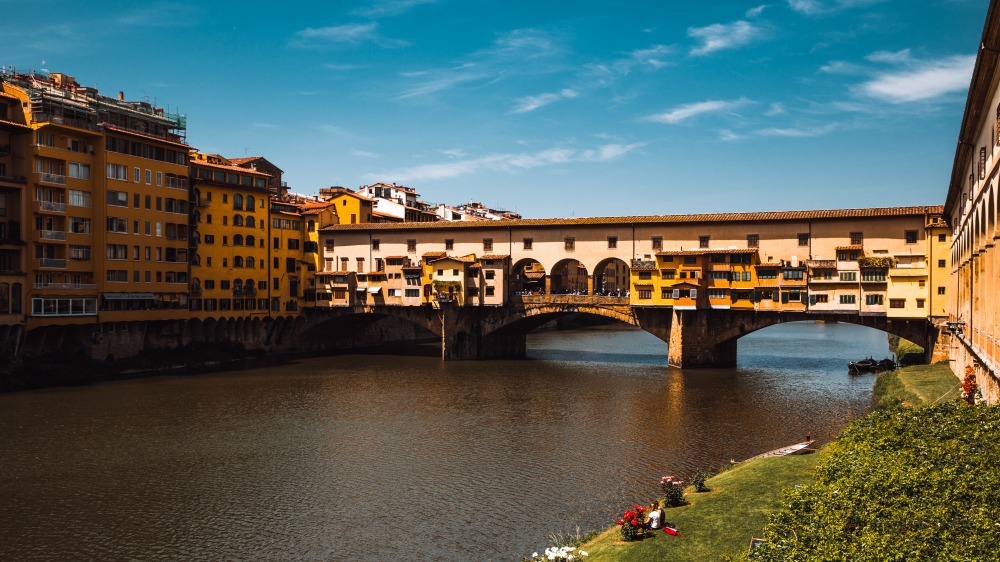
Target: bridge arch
(611, 277)
(569, 277)
(527, 276)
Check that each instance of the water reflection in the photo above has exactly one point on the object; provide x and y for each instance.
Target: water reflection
(381, 458)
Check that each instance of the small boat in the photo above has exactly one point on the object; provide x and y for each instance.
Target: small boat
(870, 365)
(864, 366)
(802, 448)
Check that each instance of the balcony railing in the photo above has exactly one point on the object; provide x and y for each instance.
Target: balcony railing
(51, 178)
(63, 286)
(52, 263)
(176, 183)
(52, 206)
(51, 235)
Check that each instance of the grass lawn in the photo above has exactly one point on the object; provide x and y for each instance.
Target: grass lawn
(918, 385)
(714, 523)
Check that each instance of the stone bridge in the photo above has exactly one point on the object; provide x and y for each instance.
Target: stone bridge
(695, 338)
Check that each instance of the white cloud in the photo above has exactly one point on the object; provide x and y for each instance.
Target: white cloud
(531, 103)
(841, 67)
(687, 111)
(508, 162)
(453, 152)
(798, 132)
(721, 36)
(754, 12)
(727, 135)
(921, 80)
(436, 80)
(347, 34)
(817, 7)
(390, 7)
(902, 56)
(362, 153)
(776, 108)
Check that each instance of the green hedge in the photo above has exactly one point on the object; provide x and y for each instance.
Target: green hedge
(898, 484)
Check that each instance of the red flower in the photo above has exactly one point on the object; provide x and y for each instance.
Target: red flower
(634, 523)
(641, 508)
(621, 522)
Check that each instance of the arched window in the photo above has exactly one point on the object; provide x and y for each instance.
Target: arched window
(250, 222)
(250, 241)
(4, 298)
(249, 205)
(237, 220)
(238, 202)
(15, 297)
(238, 240)
(250, 262)
(238, 261)
(312, 226)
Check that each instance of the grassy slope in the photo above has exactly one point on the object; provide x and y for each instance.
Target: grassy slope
(717, 522)
(918, 385)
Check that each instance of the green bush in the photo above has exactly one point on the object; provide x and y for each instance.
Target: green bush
(899, 484)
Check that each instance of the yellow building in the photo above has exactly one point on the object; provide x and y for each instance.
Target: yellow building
(230, 270)
(108, 218)
(289, 269)
(315, 215)
(350, 207)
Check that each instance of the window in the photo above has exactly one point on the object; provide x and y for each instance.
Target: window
(753, 240)
(767, 274)
(690, 260)
(703, 241)
(449, 244)
(117, 252)
(718, 258)
(873, 299)
(645, 294)
(117, 276)
(717, 294)
(79, 171)
(848, 276)
(922, 283)
(117, 224)
(411, 245)
(920, 303)
(803, 239)
(942, 237)
(612, 242)
(159, 203)
(821, 299)
(857, 238)
(874, 275)
(149, 177)
(117, 172)
(719, 275)
(940, 290)
(941, 263)
(149, 202)
(793, 274)
(910, 236)
(487, 244)
(645, 275)
(135, 175)
(569, 243)
(694, 293)
(897, 303)
(78, 225)
(117, 198)
(847, 299)
(527, 243)
(293, 244)
(657, 243)
(79, 198)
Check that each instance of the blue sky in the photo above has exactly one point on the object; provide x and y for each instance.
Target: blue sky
(549, 108)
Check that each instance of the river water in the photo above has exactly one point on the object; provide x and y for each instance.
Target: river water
(369, 457)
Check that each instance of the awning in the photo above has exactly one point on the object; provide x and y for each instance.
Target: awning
(129, 296)
(374, 290)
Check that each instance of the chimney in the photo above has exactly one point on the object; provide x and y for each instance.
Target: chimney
(121, 95)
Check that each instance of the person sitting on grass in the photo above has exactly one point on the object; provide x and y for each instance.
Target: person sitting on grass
(655, 516)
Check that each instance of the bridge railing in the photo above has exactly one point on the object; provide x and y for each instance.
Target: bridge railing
(568, 299)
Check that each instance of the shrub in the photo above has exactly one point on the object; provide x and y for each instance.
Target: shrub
(699, 480)
(673, 491)
(898, 484)
(631, 522)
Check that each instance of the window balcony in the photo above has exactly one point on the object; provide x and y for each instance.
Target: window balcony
(51, 235)
(52, 263)
(57, 179)
(67, 286)
(52, 206)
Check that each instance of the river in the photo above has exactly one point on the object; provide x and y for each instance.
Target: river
(377, 457)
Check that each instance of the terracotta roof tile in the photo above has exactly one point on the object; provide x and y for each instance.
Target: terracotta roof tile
(196, 162)
(18, 125)
(655, 219)
(434, 254)
(494, 257)
(851, 247)
(770, 264)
